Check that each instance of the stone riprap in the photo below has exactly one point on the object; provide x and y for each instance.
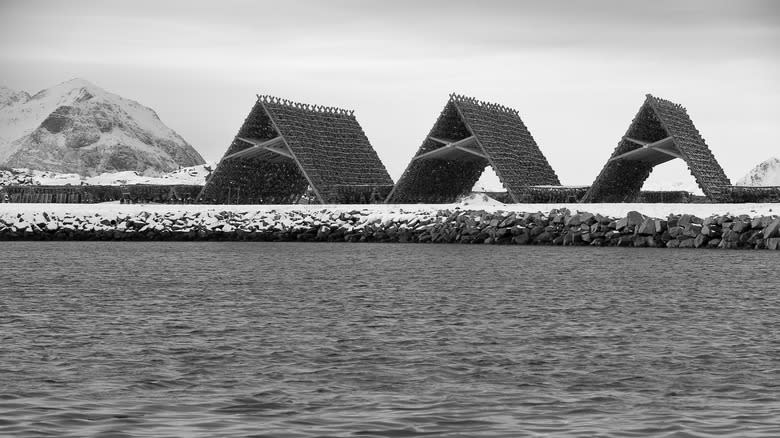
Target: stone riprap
(558, 227)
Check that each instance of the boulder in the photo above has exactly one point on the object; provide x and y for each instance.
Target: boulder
(772, 230)
(754, 236)
(660, 226)
(509, 221)
(644, 241)
(323, 232)
(604, 220)
(687, 243)
(574, 238)
(686, 219)
(587, 218)
(647, 227)
(692, 230)
(544, 237)
(740, 226)
(634, 218)
(730, 236)
(710, 230)
(573, 221)
(522, 239)
(518, 230)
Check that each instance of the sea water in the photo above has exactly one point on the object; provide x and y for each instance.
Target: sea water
(388, 340)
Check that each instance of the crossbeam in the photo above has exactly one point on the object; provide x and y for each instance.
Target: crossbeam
(651, 152)
(260, 147)
(453, 149)
(639, 142)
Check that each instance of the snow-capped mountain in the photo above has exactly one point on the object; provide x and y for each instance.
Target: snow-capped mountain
(765, 174)
(77, 127)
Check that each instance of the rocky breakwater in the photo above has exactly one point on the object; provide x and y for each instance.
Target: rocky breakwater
(558, 227)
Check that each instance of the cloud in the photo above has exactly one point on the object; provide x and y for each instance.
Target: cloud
(576, 70)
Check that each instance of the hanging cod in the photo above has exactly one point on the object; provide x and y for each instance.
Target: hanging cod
(285, 147)
(660, 132)
(469, 136)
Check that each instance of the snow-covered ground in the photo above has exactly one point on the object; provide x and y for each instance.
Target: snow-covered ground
(672, 176)
(612, 210)
(194, 175)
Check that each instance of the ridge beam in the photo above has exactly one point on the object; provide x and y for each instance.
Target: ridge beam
(650, 152)
(451, 148)
(259, 146)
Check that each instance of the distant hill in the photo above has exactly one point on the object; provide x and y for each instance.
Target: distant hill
(77, 127)
(766, 173)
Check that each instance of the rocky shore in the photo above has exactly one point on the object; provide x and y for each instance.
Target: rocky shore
(454, 225)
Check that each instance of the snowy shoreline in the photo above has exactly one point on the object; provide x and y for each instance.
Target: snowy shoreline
(749, 226)
(657, 210)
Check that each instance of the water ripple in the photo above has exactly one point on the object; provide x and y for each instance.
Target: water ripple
(312, 340)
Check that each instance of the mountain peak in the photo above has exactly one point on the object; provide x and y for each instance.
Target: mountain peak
(73, 89)
(75, 83)
(78, 82)
(766, 173)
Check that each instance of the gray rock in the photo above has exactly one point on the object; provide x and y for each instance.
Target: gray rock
(634, 218)
(647, 227)
(772, 230)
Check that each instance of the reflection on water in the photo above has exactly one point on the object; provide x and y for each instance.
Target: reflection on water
(285, 339)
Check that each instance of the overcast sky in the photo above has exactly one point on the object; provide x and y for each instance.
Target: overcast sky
(577, 71)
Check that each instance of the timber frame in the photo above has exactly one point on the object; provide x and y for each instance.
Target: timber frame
(660, 132)
(285, 147)
(468, 136)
